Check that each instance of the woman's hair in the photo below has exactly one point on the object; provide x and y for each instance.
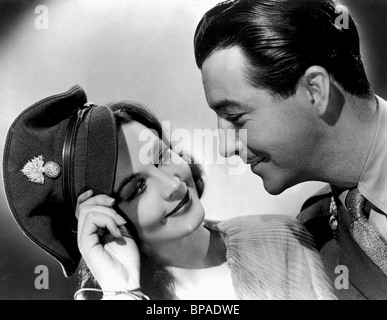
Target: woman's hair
(281, 39)
(155, 281)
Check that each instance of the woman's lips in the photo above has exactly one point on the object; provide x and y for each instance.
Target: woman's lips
(182, 206)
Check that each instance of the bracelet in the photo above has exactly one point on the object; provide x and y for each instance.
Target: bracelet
(136, 293)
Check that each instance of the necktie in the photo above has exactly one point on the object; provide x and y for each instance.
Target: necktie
(363, 232)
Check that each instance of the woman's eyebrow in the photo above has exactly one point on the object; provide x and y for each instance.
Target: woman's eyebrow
(156, 151)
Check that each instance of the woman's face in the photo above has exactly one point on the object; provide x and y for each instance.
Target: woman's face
(154, 187)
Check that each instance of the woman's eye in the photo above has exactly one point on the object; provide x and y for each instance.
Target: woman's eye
(138, 188)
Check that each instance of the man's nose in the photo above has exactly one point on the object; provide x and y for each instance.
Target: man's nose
(229, 143)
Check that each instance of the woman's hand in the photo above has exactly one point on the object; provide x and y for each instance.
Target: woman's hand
(107, 248)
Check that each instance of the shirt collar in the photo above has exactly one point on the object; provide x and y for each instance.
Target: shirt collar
(373, 179)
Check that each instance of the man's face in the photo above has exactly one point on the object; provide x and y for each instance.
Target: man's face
(281, 134)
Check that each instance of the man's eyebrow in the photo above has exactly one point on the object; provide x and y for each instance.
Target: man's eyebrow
(226, 103)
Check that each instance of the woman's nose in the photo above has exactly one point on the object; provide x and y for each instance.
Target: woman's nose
(172, 188)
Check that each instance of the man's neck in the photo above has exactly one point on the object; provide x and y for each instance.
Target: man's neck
(348, 143)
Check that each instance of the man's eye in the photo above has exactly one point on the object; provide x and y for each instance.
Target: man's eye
(234, 118)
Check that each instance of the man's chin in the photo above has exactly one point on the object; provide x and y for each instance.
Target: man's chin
(275, 181)
(274, 187)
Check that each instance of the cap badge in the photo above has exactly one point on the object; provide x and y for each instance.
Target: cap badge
(35, 169)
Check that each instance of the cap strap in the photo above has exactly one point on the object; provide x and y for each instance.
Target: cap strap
(67, 158)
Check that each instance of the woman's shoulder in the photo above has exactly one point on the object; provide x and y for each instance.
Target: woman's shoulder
(275, 247)
(270, 222)
(263, 227)
(253, 219)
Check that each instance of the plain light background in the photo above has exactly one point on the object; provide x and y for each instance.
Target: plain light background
(140, 50)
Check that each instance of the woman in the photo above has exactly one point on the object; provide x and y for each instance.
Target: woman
(157, 197)
(79, 176)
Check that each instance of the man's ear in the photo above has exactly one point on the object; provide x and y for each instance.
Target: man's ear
(317, 85)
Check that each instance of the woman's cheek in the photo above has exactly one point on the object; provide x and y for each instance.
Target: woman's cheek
(150, 211)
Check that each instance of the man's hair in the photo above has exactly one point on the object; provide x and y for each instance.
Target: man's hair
(281, 39)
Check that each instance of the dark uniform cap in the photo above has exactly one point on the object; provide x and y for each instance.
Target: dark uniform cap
(55, 150)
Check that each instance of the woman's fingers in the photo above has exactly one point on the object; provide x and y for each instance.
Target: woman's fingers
(105, 244)
(95, 214)
(101, 200)
(88, 214)
(94, 221)
(125, 232)
(98, 204)
(105, 210)
(84, 196)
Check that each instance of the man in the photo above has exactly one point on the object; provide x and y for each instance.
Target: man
(290, 73)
